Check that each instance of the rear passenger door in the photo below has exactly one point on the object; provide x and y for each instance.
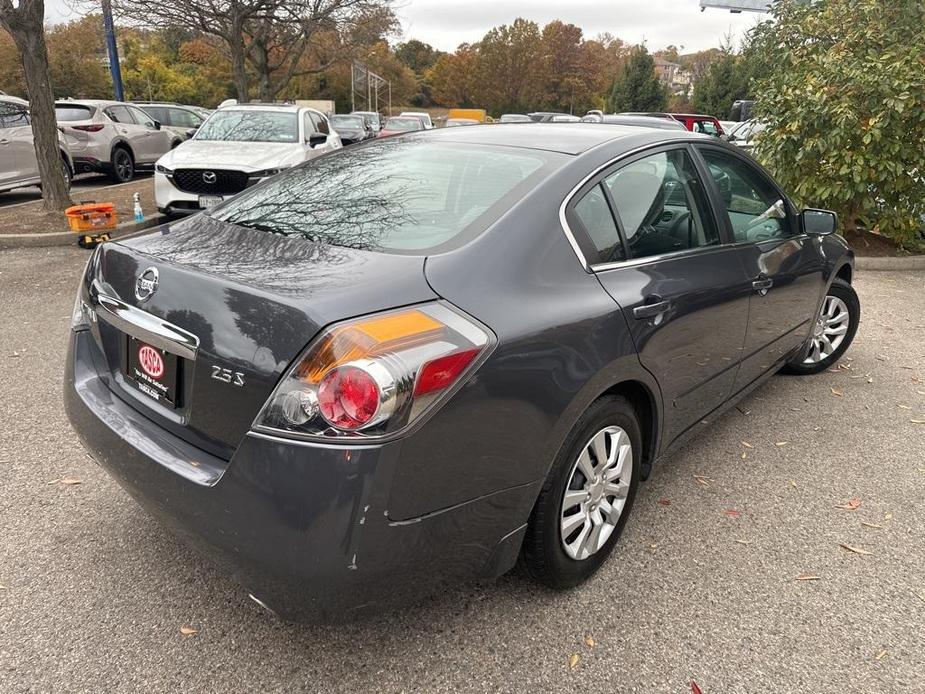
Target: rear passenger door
(782, 264)
(660, 253)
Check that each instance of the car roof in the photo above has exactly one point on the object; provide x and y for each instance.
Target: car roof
(567, 138)
(97, 103)
(692, 115)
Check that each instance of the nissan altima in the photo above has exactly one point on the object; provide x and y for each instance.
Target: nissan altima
(426, 359)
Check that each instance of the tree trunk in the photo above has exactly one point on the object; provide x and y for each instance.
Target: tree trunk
(28, 33)
(238, 59)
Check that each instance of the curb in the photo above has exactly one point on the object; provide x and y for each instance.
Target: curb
(69, 238)
(912, 262)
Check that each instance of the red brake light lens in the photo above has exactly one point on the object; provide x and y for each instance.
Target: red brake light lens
(89, 128)
(373, 376)
(348, 397)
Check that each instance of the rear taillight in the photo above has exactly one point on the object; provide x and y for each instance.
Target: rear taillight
(95, 128)
(374, 376)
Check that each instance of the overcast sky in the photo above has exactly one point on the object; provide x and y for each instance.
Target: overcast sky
(448, 23)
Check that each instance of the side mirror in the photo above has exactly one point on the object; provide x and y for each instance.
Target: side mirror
(190, 132)
(316, 139)
(157, 125)
(819, 222)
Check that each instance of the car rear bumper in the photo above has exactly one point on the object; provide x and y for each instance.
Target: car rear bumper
(304, 527)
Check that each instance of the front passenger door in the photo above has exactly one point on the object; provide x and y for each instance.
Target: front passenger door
(156, 142)
(783, 265)
(680, 286)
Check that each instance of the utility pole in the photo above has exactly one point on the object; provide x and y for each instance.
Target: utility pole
(112, 50)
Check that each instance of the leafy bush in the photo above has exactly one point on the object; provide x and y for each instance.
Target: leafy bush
(842, 88)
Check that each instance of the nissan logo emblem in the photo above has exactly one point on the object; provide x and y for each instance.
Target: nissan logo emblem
(209, 177)
(146, 284)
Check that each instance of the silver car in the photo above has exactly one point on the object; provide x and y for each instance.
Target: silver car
(112, 137)
(18, 164)
(181, 120)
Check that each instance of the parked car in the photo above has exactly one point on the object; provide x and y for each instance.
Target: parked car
(744, 135)
(18, 164)
(352, 128)
(454, 122)
(698, 123)
(565, 118)
(423, 115)
(417, 361)
(397, 125)
(479, 115)
(238, 146)
(373, 118)
(640, 121)
(544, 116)
(181, 120)
(515, 118)
(112, 137)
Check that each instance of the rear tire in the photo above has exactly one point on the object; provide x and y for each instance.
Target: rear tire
(838, 317)
(68, 177)
(570, 536)
(123, 166)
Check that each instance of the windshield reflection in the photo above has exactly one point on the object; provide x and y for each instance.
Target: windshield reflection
(250, 126)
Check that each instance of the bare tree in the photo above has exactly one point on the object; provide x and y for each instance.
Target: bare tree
(302, 37)
(25, 23)
(225, 19)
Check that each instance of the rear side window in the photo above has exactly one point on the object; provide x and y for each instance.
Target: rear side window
(68, 112)
(181, 118)
(404, 196)
(595, 216)
(158, 113)
(661, 205)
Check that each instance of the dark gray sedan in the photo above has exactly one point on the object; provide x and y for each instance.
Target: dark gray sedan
(419, 360)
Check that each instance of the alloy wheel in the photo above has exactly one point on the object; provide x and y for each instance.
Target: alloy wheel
(596, 493)
(829, 330)
(123, 164)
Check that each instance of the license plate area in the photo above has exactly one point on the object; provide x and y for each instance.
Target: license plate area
(207, 202)
(153, 371)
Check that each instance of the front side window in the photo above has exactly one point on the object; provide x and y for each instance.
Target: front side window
(245, 125)
(405, 196)
(119, 114)
(321, 123)
(661, 205)
(13, 115)
(158, 113)
(181, 118)
(755, 208)
(140, 117)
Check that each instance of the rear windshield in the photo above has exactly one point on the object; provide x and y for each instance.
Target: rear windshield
(403, 124)
(250, 126)
(72, 112)
(404, 196)
(347, 122)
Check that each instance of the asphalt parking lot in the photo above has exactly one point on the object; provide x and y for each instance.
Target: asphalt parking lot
(82, 185)
(782, 551)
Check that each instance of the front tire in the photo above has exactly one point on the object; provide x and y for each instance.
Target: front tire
(587, 497)
(833, 330)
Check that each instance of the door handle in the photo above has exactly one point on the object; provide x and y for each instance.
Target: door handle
(651, 309)
(4, 142)
(762, 284)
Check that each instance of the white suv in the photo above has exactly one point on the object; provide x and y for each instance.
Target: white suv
(112, 137)
(18, 165)
(238, 145)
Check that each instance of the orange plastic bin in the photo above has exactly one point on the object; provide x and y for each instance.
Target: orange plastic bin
(91, 217)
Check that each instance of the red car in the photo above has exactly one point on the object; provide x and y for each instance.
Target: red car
(698, 123)
(401, 124)
(694, 122)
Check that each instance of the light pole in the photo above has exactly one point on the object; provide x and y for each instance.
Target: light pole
(112, 50)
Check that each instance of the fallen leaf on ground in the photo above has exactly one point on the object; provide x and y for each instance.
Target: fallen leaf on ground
(2, 587)
(665, 502)
(888, 515)
(747, 444)
(695, 689)
(808, 577)
(188, 631)
(732, 513)
(781, 443)
(70, 481)
(573, 660)
(917, 421)
(793, 483)
(855, 550)
(836, 391)
(744, 455)
(871, 525)
(590, 642)
(853, 504)
(54, 481)
(882, 654)
(744, 542)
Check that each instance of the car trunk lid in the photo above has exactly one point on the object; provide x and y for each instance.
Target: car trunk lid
(247, 301)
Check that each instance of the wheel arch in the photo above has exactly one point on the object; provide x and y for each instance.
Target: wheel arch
(121, 142)
(644, 402)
